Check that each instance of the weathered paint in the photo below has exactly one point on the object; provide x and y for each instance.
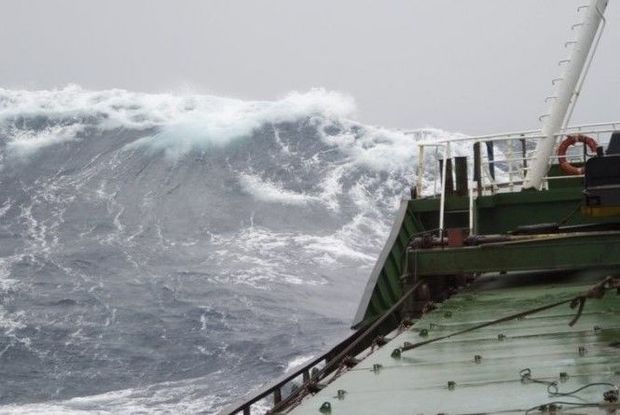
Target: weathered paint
(499, 213)
(384, 288)
(418, 382)
(551, 252)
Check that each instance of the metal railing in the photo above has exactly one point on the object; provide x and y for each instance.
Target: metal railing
(322, 367)
(502, 167)
(325, 365)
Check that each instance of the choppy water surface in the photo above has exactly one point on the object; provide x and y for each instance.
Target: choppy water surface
(167, 254)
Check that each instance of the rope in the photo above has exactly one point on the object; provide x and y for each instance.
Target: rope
(597, 291)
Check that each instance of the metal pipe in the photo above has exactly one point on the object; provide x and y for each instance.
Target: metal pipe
(566, 91)
(420, 178)
(587, 67)
(471, 208)
(442, 202)
(527, 134)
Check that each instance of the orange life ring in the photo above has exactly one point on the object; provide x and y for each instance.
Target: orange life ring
(569, 141)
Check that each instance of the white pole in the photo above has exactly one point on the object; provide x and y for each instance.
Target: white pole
(472, 184)
(442, 202)
(420, 178)
(565, 92)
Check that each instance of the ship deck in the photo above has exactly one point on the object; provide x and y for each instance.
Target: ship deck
(447, 377)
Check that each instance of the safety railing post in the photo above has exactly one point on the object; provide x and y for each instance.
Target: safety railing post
(420, 178)
(442, 202)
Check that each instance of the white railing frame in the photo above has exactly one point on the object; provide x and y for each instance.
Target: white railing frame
(514, 172)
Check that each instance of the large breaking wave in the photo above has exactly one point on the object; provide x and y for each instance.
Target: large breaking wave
(167, 253)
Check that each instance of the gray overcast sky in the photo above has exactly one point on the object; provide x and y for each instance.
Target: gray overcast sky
(474, 66)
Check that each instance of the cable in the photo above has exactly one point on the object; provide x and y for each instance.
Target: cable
(552, 389)
(526, 377)
(596, 291)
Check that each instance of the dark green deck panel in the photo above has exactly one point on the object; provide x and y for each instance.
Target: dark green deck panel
(417, 382)
(504, 212)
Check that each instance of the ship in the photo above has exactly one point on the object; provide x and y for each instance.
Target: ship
(497, 290)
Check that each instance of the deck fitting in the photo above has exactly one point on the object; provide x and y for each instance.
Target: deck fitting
(315, 387)
(395, 354)
(451, 385)
(341, 393)
(563, 376)
(582, 351)
(447, 314)
(350, 361)
(477, 358)
(326, 408)
(380, 341)
(501, 336)
(424, 332)
(406, 323)
(377, 367)
(611, 396)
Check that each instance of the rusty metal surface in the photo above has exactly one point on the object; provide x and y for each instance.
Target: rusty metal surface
(479, 372)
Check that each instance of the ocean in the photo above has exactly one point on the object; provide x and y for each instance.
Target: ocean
(167, 254)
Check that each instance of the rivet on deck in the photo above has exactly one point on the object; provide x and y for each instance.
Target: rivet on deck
(582, 351)
(341, 393)
(477, 358)
(597, 328)
(526, 375)
(326, 408)
(451, 385)
(424, 332)
(395, 354)
(501, 336)
(563, 376)
(376, 367)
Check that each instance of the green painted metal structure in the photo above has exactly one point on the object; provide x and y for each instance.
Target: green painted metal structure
(480, 372)
(571, 251)
(427, 284)
(494, 214)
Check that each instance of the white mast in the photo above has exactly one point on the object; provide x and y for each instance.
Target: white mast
(566, 92)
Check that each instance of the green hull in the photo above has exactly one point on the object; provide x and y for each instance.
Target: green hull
(426, 285)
